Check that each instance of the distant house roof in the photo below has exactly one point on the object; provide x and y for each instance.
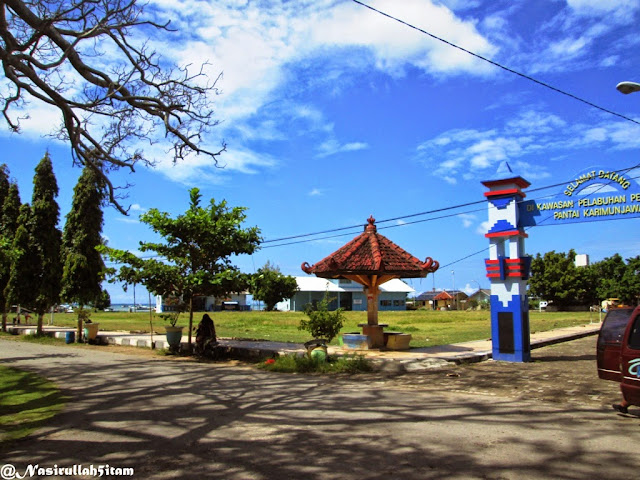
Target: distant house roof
(440, 295)
(426, 296)
(481, 293)
(443, 296)
(315, 284)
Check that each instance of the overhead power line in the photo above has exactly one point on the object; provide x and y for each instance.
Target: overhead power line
(350, 230)
(510, 70)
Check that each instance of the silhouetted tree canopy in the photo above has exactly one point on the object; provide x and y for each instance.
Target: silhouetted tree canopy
(85, 58)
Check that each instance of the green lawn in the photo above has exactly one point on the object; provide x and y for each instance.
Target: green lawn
(427, 327)
(27, 401)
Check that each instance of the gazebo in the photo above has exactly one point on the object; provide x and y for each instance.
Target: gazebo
(371, 259)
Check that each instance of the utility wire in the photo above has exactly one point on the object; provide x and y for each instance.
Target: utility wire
(350, 230)
(515, 72)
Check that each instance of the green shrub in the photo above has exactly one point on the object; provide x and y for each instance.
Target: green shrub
(293, 363)
(322, 323)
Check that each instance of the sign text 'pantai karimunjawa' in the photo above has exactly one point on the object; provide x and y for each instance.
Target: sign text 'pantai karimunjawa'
(596, 194)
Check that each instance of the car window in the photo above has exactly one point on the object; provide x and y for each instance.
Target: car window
(634, 336)
(614, 325)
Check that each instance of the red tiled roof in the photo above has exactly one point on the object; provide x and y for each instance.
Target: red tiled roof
(371, 254)
(443, 296)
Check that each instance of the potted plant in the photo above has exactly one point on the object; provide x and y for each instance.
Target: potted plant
(173, 331)
(90, 330)
(323, 325)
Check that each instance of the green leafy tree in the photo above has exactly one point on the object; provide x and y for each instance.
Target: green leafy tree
(630, 284)
(271, 286)
(322, 323)
(609, 272)
(47, 239)
(619, 279)
(555, 277)
(8, 225)
(23, 274)
(195, 252)
(83, 268)
(102, 301)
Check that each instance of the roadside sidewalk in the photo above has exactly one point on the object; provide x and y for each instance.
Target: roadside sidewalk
(414, 359)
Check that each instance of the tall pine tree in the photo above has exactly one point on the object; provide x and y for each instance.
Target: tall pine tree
(5, 243)
(83, 268)
(47, 238)
(4, 183)
(8, 226)
(24, 267)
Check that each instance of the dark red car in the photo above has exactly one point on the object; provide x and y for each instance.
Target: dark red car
(618, 351)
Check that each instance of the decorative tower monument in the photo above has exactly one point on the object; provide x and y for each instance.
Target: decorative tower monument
(508, 268)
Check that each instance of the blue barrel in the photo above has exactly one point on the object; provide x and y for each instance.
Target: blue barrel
(70, 337)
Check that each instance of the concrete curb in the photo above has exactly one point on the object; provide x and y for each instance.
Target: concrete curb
(386, 361)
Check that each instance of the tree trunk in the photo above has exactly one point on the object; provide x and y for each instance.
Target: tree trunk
(79, 332)
(190, 321)
(40, 323)
(4, 321)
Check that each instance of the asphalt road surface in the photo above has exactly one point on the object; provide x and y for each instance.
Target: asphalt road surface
(178, 419)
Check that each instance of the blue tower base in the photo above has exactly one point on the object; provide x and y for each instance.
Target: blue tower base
(510, 338)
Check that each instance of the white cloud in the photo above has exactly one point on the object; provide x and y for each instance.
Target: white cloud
(256, 45)
(483, 228)
(41, 120)
(450, 180)
(332, 147)
(394, 46)
(259, 45)
(129, 220)
(468, 289)
(315, 192)
(490, 152)
(467, 219)
(534, 121)
(600, 7)
(199, 169)
(521, 141)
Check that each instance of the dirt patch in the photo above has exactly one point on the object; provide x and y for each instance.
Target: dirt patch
(562, 373)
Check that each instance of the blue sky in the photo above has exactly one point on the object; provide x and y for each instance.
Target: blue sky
(332, 113)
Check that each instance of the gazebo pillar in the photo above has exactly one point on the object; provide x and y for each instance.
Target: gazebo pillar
(372, 329)
(372, 304)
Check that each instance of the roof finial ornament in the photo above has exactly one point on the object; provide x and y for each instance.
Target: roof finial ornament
(371, 226)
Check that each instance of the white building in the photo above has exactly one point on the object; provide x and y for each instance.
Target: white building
(345, 294)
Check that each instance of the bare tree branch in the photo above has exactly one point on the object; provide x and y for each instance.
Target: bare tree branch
(54, 51)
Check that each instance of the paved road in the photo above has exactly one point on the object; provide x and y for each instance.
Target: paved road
(169, 419)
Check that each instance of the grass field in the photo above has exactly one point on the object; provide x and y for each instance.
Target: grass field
(26, 402)
(427, 327)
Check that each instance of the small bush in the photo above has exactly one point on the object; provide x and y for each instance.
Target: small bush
(293, 363)
(322, 323)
